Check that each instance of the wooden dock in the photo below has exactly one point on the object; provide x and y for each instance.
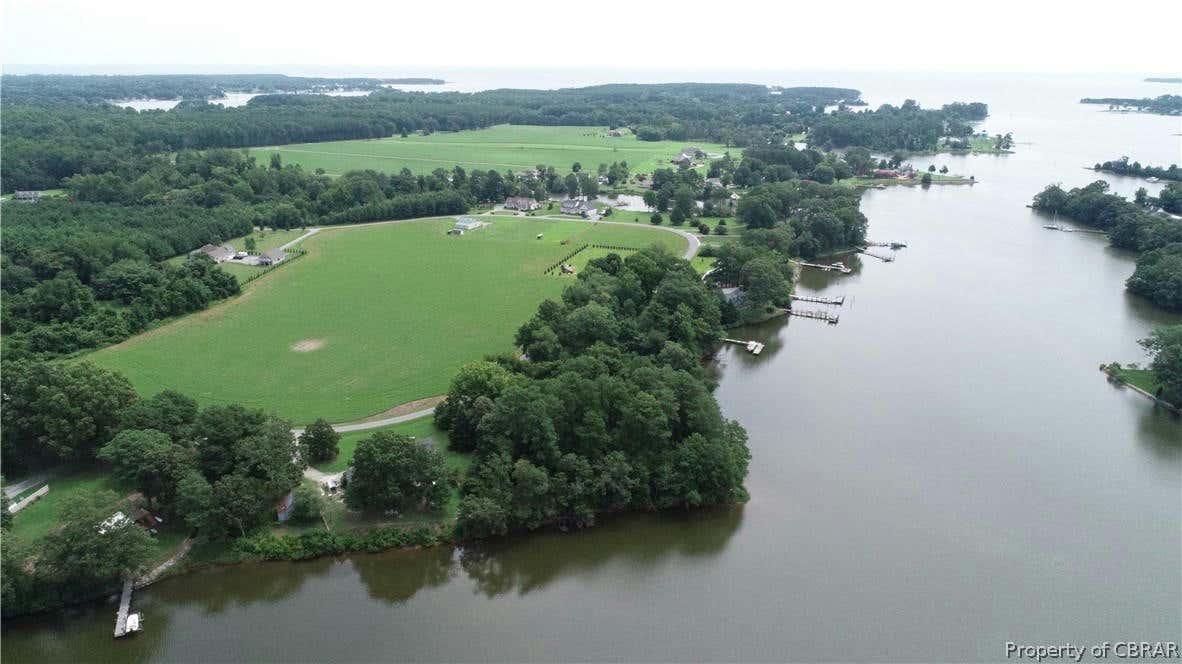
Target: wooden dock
(124, 608)
(816, 314)
(832, 267)
(886, 258)
(889, 245)
(753, 347)
(1067, 229)
(835, 301)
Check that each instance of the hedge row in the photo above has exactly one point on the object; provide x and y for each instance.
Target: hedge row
(269, 546)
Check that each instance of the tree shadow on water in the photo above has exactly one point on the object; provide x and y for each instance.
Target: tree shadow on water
(524, 563)
(396, 576)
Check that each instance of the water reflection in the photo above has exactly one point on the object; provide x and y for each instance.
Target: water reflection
(642, 542)
(398, 575)
(222, 588)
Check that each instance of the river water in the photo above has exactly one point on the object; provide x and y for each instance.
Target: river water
(944, 471)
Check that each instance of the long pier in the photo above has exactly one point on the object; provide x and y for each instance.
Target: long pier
(882, 257)
(891, 245)
(816, 314)
(753, 347)
(124, 607)
(838, 267)
(1068, 229)
(835, 301)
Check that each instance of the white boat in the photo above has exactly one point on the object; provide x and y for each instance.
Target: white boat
(1152, 180)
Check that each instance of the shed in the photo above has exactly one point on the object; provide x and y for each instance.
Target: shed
(468, 224)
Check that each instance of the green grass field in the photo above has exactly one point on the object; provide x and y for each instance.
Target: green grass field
(502, 147)
(1142, 378)
(42, 516)
(372, 317)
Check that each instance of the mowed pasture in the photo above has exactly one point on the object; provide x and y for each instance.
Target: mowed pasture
(372, 317)
(500, 148)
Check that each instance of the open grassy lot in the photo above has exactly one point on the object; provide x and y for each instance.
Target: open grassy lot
(1142, 378)
(373, 316)
(502, 147)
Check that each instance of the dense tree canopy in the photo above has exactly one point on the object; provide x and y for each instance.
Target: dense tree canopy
(396, 472)
(1122, 166)
(1165, 345)
(610, 411)
(907, 127)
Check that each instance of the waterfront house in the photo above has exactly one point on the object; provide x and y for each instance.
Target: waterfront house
(580, 207)
(26, 196)
(521, 203)
(884, 173)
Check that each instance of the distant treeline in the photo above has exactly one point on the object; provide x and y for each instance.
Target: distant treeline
(1163, 105)
(82, 271)
(1163, 80)
(1123, 167)
(907, 127)
(1130, 225)
(45, 140)
(59, 88)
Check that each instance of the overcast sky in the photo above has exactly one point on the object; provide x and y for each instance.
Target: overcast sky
(410, 36)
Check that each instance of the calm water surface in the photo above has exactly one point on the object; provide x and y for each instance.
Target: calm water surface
(944, 471)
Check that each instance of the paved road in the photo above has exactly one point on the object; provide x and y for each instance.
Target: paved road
(305, 236)
(319, 477)
(374, 424)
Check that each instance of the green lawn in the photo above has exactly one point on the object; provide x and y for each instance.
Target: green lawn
(42, 516)
(1142, 378)
(501, 147)
(387, 313)
(702, 264)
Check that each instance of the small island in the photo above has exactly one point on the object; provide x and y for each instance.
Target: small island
(1136, 169)
(1175, 81)
(1163, 105)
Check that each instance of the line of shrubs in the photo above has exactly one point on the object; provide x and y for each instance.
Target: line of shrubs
(270, 546)
(564, 259)
(292, 255)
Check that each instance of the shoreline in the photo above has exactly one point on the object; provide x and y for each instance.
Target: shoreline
(1115, 377)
